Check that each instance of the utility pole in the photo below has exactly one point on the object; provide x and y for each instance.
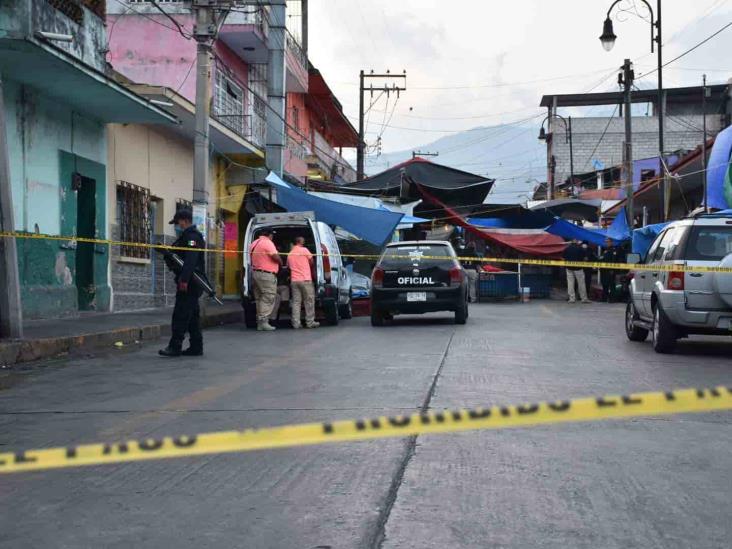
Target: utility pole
(385, 88)
(704, 142)
(204, 32)
(571, 153)
(626, 79)
(420, 153)
(276, 133)
(661, 109)
(11, 313)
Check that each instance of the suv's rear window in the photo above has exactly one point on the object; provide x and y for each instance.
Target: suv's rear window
(423, 254)
(709, 243)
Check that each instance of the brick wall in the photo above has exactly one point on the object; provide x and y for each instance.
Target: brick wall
(138, 284)
(680, 132)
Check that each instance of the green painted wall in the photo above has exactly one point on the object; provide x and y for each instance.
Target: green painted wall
(48, 142)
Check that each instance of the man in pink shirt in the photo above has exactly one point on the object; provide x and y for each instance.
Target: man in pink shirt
(266, 263)
(300, 262)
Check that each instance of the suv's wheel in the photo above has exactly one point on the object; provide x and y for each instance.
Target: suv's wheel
(664, 333)
(634, 333)
(377, 317)
(461, 314)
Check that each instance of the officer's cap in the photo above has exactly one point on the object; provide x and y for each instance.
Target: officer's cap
(181, 214)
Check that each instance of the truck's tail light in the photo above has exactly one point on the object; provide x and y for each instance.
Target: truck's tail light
(676, 280)
(377, 278)
(326, 262)
(456, 276)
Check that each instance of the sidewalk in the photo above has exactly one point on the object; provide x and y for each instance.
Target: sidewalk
(50, 338)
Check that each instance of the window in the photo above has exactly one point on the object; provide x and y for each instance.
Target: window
(229, 103)
(709, 243)
(133, 218)
(674, 244)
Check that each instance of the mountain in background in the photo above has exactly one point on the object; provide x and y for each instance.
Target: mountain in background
(511, 154)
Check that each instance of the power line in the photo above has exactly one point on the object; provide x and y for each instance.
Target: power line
(172, 19)
(149, 18)
(707, 39)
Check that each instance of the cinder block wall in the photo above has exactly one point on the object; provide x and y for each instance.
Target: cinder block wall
(680, 132)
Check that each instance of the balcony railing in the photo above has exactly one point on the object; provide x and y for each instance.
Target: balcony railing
(297, 147)
(331, 160)
(256, 17)
(251, 127)
(294, 46)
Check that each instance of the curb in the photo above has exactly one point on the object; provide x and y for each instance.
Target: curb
(20, 351)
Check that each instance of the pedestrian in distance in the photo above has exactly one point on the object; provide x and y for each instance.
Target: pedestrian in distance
(470, 266)
(611, 254)
(300, 262)
(575, 275)
(187, 310)
(266, 262)
(589, 256)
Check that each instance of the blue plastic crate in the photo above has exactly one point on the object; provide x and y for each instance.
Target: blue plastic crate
(500, 285)
(540, 284)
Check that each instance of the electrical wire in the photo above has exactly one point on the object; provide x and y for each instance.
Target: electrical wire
(707, 39)
(184, 34)
(146, 16)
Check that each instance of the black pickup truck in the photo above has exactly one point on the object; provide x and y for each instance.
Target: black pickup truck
(418, 277)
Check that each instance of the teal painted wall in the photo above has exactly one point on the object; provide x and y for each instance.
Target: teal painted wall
(47, 143)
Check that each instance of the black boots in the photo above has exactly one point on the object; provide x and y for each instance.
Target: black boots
(170, 351)
(190, 351)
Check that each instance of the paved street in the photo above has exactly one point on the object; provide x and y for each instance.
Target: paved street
(653, 482)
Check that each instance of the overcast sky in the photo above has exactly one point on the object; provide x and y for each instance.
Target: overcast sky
(497, 58)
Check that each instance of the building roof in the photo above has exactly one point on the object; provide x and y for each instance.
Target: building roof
(323, 103)
(691, 94)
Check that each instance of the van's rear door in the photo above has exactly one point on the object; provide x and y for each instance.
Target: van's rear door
(319, 269)
(246, 271)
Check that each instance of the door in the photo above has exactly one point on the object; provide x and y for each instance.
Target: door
(707, 246)
(645, 279)
(86, 215)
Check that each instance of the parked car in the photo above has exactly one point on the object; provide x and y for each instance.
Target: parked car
(361, 286)
(418, 277)
(671, 304)
(331, 279)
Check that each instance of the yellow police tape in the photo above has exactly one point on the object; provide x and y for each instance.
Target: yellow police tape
(501, 260)
(446, 421)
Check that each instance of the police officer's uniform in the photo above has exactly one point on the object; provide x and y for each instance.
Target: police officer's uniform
(187, 311)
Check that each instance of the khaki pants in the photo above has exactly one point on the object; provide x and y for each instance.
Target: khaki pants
(579, 276)
(265, 294)
(303, 292)
(472, 276)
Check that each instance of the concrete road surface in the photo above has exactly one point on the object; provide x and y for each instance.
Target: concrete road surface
(652, 482)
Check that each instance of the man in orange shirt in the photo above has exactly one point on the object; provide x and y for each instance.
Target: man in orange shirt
(266, 263)
(300, 262)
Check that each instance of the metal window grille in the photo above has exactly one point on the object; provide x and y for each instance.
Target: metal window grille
(229, 103)
(133, 218)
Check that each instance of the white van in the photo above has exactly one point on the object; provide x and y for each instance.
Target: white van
(332, 284)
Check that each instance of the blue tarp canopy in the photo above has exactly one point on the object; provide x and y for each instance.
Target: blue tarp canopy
(719, 174)
(618, 231)
(523, 219)
(375, 226)
(644, 237)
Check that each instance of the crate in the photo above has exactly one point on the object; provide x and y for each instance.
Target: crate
(499, 285)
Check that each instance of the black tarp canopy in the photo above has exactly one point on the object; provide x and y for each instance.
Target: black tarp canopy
(454, 187)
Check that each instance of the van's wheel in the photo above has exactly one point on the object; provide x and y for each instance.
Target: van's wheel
(664, 334)
(377, 317)
(346, 311)
(461, 314)
(331, 312)
(250, 314)
(634, 333)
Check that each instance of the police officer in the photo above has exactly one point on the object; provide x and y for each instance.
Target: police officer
(187, 311)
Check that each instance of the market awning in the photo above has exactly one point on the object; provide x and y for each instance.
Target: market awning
(87, 90)
(618, 231)
(454, 187)
(374, 225)
(719, 176)
(529, 241)
(571, 208)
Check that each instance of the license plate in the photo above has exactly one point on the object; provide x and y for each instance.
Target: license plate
(416, 296)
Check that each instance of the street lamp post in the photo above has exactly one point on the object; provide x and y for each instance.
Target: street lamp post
(543, 135)
(608, 41)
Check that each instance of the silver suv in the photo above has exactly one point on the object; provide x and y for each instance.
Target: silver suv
(674, 304)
